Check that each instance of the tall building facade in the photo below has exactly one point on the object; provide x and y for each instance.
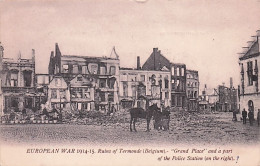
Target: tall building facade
(156, 62)
(154, 86)
(18, 83)
(249, 97)
(192, 85)
(98, 73)
(179, 98)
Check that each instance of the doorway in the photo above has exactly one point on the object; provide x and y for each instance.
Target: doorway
(251, 106)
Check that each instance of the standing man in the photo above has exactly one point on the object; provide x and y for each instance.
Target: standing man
(258, 117)
(251, 117)
(113, 109)
(244, 115)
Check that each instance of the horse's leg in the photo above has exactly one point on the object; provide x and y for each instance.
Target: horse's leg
(135, 119)
(148, 123)
(131, 124)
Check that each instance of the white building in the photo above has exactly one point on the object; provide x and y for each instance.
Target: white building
(154, 85)
(249, 95)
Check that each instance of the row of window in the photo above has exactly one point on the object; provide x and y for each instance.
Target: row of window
(192, 94)
(90, 69)
(191, 76)
(178, 71)
(178, 85)
(152, 79)
(103, 83)
(80, 93)
(140, 91)
(12, 79)
(102, 97)
(14, 102)
(250, 72)
(58, 94)
(192, 84)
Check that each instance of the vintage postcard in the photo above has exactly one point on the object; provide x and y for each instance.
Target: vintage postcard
(129, 82)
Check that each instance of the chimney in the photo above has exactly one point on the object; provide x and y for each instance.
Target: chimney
(1, 51)
(155, 49)
(33, 54)
(19, 55)
(231, 82)
(138, 66)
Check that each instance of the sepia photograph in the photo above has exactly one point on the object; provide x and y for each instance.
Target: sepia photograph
(129, 82)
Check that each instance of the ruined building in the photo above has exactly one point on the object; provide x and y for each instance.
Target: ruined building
(93, 81)
(192, 86)
(153, 85)
(157, 62)
(17, 83)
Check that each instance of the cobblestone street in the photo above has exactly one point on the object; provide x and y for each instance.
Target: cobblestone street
(185, 128)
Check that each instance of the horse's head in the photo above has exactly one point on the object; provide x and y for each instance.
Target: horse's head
(153, 108)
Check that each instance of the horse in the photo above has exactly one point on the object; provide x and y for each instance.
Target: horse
(141, 113)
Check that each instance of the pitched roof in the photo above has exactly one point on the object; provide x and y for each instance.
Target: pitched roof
(253, 51)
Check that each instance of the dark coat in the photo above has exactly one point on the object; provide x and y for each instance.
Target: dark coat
(250, 115)
(244, 113)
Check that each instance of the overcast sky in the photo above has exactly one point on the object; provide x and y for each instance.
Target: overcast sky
(206, 35)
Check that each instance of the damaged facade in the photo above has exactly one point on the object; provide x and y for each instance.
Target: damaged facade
(249, 96)
(58, 94)
(179, 98)
(192, 78)
(135, 84)
(157, 62)
(99, 75)
(222, 98)
(41, 84)
(82, 93)
(87, 83)
(227, 98)
(17, 83)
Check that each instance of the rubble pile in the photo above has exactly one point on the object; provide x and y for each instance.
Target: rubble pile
(190, 119)
(179, 117)
(97, 118)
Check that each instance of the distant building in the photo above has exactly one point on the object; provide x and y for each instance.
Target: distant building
(227, 98)
(192, 86)
(154, 85)
(204, 98)
(157, 62)
(17, 83)
(213, 100)
(249, 97)
(222, 98)
(102, 72)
